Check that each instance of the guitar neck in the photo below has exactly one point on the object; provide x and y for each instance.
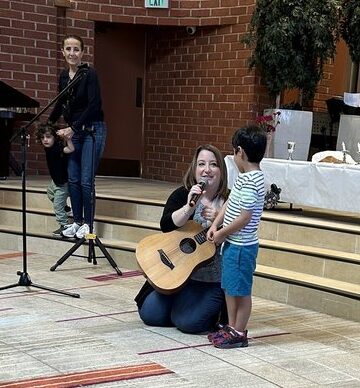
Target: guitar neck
(200, 238)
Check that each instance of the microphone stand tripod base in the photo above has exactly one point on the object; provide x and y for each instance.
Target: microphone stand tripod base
(91, 258)
(25, 281)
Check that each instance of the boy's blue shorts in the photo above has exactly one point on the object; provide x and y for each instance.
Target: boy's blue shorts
(238, 266)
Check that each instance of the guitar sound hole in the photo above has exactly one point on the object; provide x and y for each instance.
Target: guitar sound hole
(187, 245)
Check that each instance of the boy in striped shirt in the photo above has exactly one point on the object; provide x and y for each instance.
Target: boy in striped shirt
(240, 217)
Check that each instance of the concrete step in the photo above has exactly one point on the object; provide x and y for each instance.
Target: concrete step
(120, 249)
(343, 236)
(324, 284)
(307, 258)
(105, 226)
(321, 262)
(120, 218)
(11, 237)
(106, 205)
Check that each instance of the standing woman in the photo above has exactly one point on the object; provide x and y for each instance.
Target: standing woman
(197, 306)
(82, 111)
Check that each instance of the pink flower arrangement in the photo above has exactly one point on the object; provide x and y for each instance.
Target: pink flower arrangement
(269, 122)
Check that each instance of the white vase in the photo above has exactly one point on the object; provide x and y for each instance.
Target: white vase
(295, 126)
(269, 151)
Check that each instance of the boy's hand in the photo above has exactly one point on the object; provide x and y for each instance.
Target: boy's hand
(210, 234)
(218, 238)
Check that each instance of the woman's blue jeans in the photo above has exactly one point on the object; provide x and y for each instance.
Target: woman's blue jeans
(82, 168)
(194, 309)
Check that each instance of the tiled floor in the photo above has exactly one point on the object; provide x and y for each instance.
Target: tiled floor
(45, 334)
(51, 340)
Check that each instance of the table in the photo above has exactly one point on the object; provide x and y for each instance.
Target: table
(321, 185)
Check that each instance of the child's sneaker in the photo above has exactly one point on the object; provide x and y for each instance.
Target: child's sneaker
(71, 230)
(231, 339)
(68, 211)
(57, 232)
(220, 329)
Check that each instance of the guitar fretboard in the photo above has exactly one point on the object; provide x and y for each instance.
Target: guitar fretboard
(200, 238)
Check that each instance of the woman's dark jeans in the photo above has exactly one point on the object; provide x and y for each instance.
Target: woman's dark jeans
(81, 171)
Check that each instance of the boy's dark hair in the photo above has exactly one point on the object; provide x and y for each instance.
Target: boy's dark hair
(252, 139)
(46, 128)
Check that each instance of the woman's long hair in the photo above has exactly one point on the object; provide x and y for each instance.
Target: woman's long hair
(189, 179)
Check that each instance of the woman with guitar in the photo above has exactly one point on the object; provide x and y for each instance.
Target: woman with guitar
(196, 306)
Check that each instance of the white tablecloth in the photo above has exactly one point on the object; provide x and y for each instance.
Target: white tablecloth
(322, 185)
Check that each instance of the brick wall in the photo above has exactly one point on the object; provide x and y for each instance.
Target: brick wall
(324, 89)
(181, 12)
(30, 33)
(198, 91)
(198, 87)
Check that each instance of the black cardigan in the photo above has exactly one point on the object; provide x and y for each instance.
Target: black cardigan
(81, 105)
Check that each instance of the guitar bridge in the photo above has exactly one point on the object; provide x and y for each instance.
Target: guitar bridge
(165, 259)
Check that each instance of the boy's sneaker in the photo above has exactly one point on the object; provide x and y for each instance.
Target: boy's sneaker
(82, 231)
(220, 329)
(57, 232)
(71, 230)
(68, 211)
(231, 339)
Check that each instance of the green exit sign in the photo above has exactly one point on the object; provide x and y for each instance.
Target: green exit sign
(156, 3)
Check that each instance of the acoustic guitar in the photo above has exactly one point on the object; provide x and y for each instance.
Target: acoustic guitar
(168, 259)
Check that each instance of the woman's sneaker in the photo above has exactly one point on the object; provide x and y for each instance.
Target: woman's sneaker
(71, 230)
(82, 231)
(231, 339)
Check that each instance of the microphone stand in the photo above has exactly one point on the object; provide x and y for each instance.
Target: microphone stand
(24, 279)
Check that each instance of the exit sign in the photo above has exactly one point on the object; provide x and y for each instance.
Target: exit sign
(156, 3)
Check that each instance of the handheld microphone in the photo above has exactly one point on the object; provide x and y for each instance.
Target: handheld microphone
(195, 197)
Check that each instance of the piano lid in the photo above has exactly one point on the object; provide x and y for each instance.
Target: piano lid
(10, 97)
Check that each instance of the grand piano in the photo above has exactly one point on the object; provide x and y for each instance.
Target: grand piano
(14, 106)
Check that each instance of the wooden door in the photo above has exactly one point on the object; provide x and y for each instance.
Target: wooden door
(120, 62)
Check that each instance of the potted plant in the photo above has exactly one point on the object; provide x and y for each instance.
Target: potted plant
(350, 32)
(269, 123)
(291, 41)
(350, 28)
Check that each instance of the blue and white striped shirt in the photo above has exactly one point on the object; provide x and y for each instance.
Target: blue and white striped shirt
(247, 193)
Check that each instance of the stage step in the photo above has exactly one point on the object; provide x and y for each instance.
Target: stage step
(320, 283)
(307, 258)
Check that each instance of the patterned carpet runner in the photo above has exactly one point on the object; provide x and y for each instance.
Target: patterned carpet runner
(82, 379)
